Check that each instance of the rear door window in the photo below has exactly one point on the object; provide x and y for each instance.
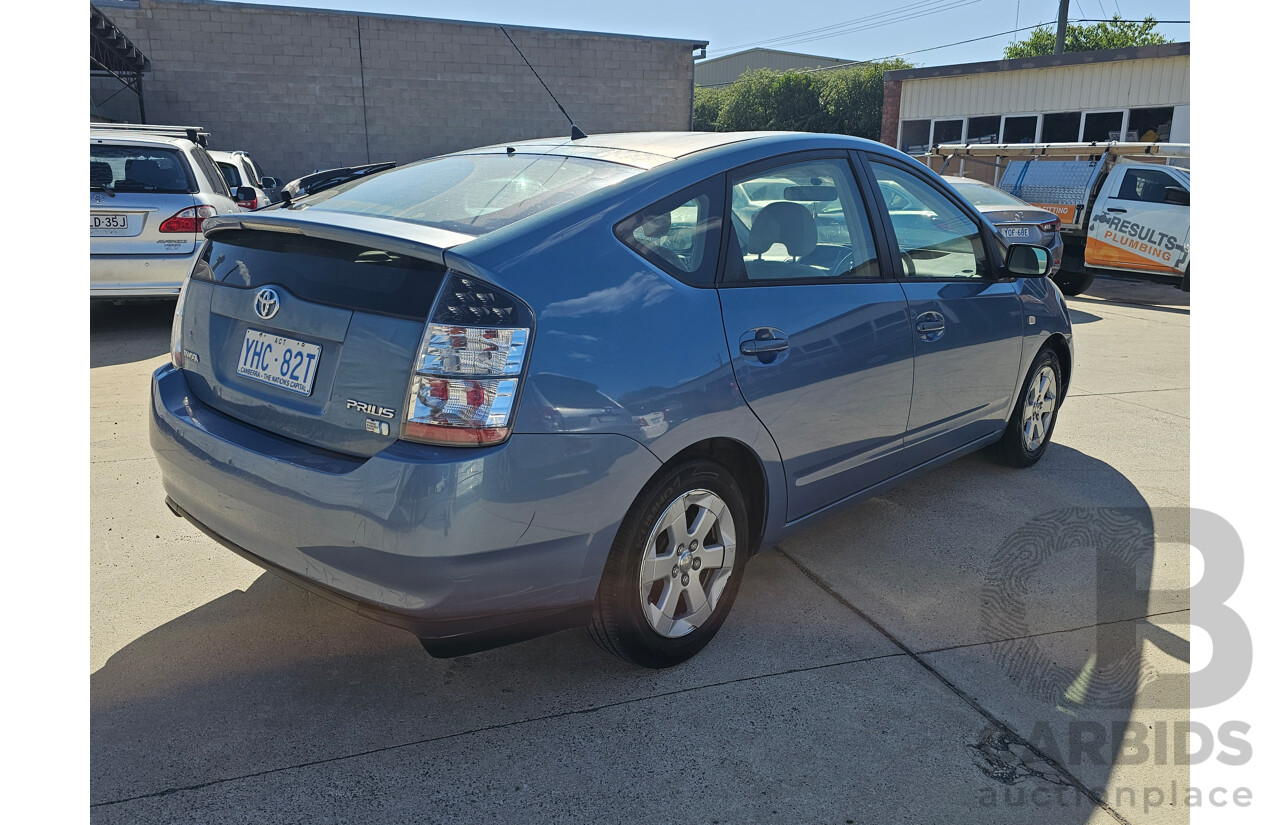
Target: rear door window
(139, 169)
(210, 169)
(680, 234)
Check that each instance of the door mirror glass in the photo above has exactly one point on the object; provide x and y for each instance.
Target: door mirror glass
(270, 182)
(1027, 261)
(245, 193)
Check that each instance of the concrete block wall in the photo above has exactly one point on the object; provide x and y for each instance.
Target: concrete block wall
(304, 89)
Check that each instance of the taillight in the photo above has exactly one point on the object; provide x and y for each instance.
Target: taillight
(249, 204)
(468, 367)
(175, 332)
(190, 219)
(1051, 226)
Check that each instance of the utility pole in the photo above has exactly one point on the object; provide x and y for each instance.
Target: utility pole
(1061, 41)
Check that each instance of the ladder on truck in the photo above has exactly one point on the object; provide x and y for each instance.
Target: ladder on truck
(1060, 177)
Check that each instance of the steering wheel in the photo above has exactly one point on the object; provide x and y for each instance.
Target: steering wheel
(908, 265)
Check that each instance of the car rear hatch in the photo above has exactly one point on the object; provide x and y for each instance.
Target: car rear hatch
(1022, 225)
(309, 330)
(133, 190)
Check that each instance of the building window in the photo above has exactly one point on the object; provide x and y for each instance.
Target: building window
(947, 131)
(1102, 126)
(1021, 129)
(915, 137)
(1061, 127)
(1151, 125)
(984, 129)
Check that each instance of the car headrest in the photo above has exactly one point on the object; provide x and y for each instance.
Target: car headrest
(100, 173)
(787, 223)
(656, 226)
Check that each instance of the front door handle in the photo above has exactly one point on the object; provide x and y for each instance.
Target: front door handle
(930, 325)
(1116, 209)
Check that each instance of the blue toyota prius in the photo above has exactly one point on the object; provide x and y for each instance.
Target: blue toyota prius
(581, 382)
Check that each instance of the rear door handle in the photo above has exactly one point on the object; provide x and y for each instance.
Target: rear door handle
(759, 346)
(930, 325)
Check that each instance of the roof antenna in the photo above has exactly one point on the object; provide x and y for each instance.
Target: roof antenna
(574, 132)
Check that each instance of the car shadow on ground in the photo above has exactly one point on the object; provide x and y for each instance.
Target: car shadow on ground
(274, 677)
(128, 332)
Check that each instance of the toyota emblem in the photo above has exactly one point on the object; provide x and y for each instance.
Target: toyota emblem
(267, 304)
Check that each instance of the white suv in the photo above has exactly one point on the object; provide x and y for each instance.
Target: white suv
(239, 170)
(149, 195)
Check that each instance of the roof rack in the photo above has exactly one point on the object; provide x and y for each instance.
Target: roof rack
(195, 134)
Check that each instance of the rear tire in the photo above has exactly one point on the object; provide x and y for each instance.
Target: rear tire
(1035, 414)
(675, 566)
(1073, 283)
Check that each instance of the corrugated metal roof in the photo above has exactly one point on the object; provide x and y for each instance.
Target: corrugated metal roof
(721, 71)
(1132, 83)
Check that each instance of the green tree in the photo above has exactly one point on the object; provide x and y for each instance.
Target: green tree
(1113, 34)
(845, 101)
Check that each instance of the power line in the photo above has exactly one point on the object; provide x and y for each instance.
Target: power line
(910, 11)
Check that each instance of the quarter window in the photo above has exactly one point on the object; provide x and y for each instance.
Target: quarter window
(936, 239)
(800, 222)
(680, 234)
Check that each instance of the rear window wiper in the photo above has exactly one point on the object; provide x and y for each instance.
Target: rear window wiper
(101, 187)
(329, 178)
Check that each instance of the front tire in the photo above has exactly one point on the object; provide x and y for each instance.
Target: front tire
(675, 566)
(1027, 435)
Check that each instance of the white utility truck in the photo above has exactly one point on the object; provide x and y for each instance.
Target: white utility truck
(1125, 207)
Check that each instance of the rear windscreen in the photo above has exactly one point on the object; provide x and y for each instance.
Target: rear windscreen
(230, 174)
(337, 274)
(138, 169)
(472, 194)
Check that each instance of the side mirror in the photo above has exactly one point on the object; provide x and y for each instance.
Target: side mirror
(1177, 195)
(1027, 261)
(270, 182)
(245, 193)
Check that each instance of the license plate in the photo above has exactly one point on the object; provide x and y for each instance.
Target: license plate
(101, 224)
(1015, 231)
(283, 362)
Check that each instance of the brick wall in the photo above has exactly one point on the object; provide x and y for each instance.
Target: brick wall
(889, 112)
(302, 89)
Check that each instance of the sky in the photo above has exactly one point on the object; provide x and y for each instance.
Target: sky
(872, 29)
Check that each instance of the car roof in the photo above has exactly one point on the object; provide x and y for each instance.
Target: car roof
(643, 149)
(954, 179)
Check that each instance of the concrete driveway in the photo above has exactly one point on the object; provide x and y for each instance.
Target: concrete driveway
(955, 651)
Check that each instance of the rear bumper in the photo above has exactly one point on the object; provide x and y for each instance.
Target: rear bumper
(138, 276)
(465, 548)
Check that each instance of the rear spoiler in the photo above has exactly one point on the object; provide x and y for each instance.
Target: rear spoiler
(400, 237)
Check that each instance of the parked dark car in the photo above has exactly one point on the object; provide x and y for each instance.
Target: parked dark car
(575, 382)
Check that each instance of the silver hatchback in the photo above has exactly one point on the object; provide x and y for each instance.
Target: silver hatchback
(149, 195)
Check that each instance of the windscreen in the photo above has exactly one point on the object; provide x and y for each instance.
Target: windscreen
(138, 169)
(472, 194)
(981, 195)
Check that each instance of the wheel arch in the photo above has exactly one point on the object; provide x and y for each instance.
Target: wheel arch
(748, 472)
(1058, 343)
